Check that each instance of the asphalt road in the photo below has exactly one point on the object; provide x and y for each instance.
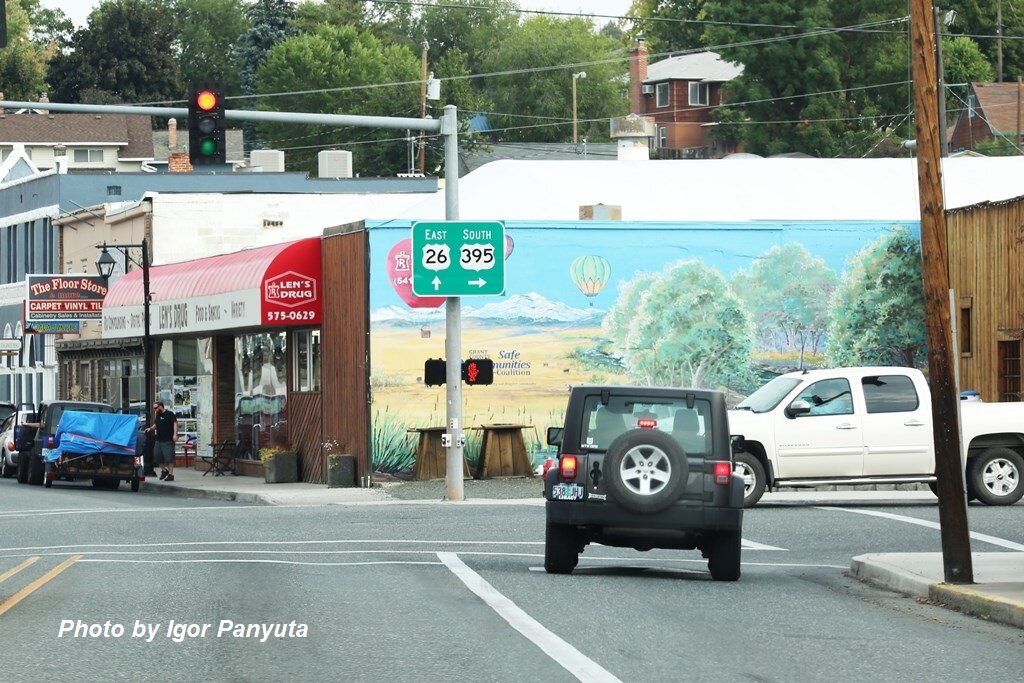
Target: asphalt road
(430, 592)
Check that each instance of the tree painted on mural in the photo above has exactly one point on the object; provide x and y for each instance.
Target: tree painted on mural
(878, 308)
(683, 327)
(787, 292)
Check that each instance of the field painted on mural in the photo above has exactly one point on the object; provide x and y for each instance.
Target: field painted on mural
(533, 372)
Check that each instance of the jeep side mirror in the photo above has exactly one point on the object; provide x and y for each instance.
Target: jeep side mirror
(555, 436)
(797, 408)
(738, 444)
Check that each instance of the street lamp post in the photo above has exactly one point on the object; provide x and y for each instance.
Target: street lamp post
(105, 266)
(575, 76)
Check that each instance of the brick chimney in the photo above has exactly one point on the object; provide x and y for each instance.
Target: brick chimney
(43, 99)
(172, 134)
(637, 74)
(178, 162)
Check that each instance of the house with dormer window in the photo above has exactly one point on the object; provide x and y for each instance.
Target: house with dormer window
(680, 94)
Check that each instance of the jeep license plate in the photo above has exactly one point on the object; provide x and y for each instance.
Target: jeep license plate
(567, 492)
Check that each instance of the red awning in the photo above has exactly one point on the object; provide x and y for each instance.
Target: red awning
(275, 285)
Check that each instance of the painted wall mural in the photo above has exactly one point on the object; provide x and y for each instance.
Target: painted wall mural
(719, 305)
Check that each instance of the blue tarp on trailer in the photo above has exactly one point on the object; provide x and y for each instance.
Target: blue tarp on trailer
(82, 433)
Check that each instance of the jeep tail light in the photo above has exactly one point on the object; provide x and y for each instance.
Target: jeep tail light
(567, 467)
(723, 472)
(647, 423)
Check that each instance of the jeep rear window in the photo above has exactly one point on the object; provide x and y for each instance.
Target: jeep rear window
(690, 427)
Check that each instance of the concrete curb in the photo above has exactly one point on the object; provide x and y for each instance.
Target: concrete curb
(979, 603)
(871, 569)
(207, 494)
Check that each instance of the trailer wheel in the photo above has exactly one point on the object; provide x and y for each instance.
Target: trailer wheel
(47, 481)
(135, 485)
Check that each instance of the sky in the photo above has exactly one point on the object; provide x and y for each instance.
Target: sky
(78, 10)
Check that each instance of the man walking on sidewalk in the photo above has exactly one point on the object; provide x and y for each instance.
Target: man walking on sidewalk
(165, 423)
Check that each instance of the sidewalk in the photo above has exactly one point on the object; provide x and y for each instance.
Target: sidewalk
(998, 593)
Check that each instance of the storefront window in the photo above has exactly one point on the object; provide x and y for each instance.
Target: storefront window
(307, 361)
(261, 392)
(185, 385)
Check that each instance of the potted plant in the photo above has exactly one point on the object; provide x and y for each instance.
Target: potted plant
(341, 467)
(280, 466)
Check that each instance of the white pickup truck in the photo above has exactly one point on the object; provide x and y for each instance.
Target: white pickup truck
(869, 425)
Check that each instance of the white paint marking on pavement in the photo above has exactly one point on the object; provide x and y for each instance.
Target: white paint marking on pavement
(250, 561)
(199, 543)
(1003, 543)
(135, 511)
(753, 545)
(568, 657)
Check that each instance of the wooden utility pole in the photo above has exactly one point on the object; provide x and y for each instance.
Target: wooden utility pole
(999, 40)
(956, 544)
(1018, 114)
(940, 80)
(423, 104)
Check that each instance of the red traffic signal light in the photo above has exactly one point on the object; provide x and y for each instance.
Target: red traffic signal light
(478, 371)
(206, 124)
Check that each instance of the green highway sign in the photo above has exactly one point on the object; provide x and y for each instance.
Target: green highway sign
(458, 258)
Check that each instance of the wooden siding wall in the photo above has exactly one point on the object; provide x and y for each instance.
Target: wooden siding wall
(304, 432)
(986, 265)
(345, 347)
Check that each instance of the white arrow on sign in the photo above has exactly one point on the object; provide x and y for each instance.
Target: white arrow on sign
(436, 282)
(479, 282)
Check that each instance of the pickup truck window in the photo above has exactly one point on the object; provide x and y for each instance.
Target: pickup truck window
(890, 394)
(768, 396)
(829, 397)
(690, 427)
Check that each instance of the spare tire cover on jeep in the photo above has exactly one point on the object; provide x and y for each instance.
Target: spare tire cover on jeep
(645, 470)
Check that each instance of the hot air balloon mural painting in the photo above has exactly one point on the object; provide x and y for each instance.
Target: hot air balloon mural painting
(400, 274)
(590, 273)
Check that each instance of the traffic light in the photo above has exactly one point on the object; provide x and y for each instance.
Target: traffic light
(434, 371)
(206, 124)
(478, 371)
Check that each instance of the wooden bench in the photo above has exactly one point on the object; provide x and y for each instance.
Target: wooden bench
(222, 461)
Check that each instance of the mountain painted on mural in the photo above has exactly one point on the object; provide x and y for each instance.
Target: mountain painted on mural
(531, 308)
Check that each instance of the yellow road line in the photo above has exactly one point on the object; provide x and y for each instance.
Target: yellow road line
(11, 572)
(10, 602)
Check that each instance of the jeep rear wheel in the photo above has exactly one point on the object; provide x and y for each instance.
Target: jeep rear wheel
(997, 476)
(35, 471)
(646, 470)
(561, 548)
(754, 480)
(724, 556)
(23, 468)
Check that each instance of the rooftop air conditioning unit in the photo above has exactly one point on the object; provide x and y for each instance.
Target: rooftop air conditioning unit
(270, 160)
(335, 163)
(647, 89)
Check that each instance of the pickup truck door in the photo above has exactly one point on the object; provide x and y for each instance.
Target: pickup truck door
(897, 427)
(827, 441)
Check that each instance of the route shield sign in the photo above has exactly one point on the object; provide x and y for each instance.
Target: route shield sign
(458, 258)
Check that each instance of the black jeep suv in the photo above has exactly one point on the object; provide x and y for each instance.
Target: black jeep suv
(644, 467)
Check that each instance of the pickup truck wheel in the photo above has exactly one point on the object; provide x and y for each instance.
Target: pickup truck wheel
(724, 556)
(997, 475)
(561, 549)
(754, 480)
(646, 470)
(35, 471)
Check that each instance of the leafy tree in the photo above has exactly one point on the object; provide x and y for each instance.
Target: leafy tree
(269, 24)
(475, 27)
(530, 100)
(311, 13)
(47, 27)
(619, 317)
(325, 61)
(963, 63)
(665, 26)
(208, 30)
(878, 308)
(978, 18)
(998, 147)
(21, 62)
(787, 291)
(126, 51)
(687, 329)
(773, 97)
